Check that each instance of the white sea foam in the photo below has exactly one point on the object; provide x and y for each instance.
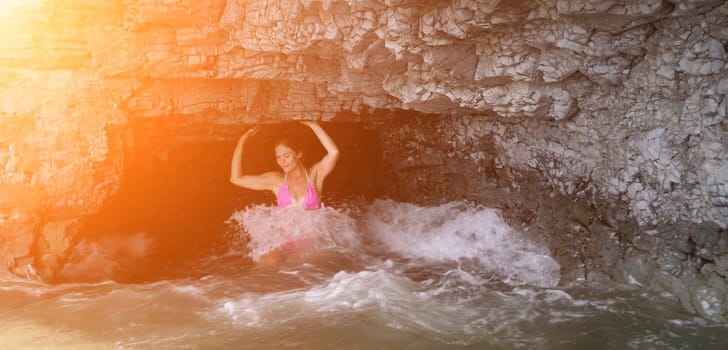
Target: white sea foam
(454, 231)
(379, 294)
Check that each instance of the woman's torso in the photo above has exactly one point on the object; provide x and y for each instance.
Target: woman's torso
(286, 198)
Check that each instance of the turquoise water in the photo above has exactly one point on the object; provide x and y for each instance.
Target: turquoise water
(382, 276)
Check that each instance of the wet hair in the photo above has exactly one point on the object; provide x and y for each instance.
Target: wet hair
(290, 143)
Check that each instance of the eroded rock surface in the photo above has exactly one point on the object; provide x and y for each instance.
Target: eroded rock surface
(620, 102)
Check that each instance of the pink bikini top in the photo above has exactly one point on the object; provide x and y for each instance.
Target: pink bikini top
(310, 200)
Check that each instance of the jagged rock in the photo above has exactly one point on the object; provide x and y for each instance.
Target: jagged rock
(708, 297)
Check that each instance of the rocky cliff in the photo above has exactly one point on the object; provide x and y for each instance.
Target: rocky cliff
(616, 108)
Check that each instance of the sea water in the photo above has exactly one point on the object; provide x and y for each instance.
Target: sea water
(384, 275)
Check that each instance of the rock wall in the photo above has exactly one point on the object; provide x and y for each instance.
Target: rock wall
(634, 178)
(622, 102)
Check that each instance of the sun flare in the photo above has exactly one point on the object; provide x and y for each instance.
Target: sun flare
(15, 4)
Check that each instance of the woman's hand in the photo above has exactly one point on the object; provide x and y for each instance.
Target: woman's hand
(252, 131)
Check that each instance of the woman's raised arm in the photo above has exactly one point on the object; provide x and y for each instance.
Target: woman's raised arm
(264, 181)
(327, 164)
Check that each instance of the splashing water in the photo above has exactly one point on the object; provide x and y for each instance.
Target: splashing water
(387, 276)
(455, 231)
(270, 228)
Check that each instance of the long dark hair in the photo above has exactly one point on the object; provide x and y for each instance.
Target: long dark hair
(290, 143)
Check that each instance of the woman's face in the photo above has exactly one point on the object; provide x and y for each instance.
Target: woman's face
(287, 158)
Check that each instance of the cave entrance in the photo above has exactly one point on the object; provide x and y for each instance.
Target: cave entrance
(175, 187)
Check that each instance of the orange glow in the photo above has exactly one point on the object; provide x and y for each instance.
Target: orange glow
(43, 155)
(11, 9)
(39, 34)
(15, 3)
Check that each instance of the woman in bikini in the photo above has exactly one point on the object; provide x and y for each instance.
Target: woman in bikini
(296, 185)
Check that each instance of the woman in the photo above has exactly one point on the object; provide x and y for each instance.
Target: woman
(296, 185)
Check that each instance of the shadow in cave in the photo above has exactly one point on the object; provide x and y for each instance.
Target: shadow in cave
(175, 196)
